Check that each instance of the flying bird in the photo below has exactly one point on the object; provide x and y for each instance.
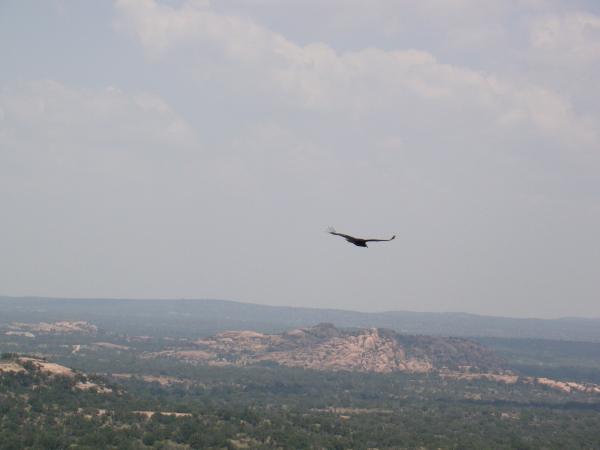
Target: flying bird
(358, 241)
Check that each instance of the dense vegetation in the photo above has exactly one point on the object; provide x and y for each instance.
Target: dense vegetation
(269, 407)
(272, 407)
(563, 360)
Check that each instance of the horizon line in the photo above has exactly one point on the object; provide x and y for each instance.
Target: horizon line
(295, 307)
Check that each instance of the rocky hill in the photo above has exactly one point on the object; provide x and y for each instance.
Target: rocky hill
(59, 327)
(13, 364)
(325, 347)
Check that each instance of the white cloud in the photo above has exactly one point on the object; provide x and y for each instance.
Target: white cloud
(572, 37)
(107, 118)
(57, 136)
(354, 83)
(563, 55)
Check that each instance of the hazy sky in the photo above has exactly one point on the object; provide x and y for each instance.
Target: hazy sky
(200, 149)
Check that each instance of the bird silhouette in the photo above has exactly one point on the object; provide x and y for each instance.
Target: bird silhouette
(359, 242)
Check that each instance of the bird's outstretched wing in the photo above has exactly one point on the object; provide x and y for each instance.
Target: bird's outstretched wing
(331, 230)
(381, 240)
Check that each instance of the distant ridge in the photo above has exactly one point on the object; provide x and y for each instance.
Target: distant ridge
(207, 316)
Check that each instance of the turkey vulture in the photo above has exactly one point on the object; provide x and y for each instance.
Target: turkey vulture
(358, 241)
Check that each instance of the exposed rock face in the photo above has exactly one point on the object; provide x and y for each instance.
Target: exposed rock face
(569, 386)
(325, 347)
(63, 327)
(46, 367)
(23, 364)
(511, 378)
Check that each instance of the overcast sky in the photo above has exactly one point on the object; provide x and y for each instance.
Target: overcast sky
(199, 149)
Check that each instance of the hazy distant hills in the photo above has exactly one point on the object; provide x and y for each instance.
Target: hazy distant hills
(205, 317)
